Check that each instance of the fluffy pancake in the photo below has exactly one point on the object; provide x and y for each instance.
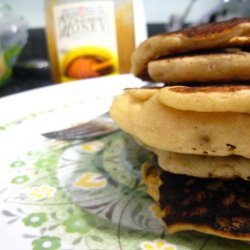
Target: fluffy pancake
(213, 206)
(234, 98)
(213, 67)
(227, 34)
(202, 166)
(160, 126)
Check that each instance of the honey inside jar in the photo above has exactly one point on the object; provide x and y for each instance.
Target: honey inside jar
(88, 66)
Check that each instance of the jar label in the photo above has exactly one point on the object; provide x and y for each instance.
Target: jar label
(86, 39)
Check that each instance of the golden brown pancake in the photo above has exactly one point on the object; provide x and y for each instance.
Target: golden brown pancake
(212, 206)
(214, 67)
(227, 34)
(203, 166)
(189, 132)
(227, 98)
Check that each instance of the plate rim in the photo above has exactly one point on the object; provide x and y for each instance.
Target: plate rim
(24, 103)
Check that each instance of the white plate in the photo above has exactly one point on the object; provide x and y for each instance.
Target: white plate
(77, 195)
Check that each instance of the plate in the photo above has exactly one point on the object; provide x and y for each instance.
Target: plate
(78, 194)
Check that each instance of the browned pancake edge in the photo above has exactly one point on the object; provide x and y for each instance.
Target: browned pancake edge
(207, 30)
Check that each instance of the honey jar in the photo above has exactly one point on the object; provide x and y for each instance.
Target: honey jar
(88, 38)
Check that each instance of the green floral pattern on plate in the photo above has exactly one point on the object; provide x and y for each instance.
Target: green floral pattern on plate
(20, 179)
(79, 223)
(47, 243)
(35, 219)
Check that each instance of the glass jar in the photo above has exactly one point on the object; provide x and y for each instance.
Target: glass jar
(88, 38)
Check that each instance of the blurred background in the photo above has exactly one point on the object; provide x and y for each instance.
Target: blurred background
(31, 67)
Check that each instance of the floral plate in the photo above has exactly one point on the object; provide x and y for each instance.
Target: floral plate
(78, 194)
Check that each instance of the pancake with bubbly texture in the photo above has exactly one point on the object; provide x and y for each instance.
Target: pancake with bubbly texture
(203, 166)
(212, 206)
(222, 67)
(227, 34)
(157, 125)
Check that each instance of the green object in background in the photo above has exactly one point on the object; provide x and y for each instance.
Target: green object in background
(13, 36)
(7, 62)
(11, 55)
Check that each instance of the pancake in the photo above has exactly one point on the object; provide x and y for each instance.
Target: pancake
(227, 98)
(212, 206)
(160, 126)
(227, 34)
(222, 67)
(227, 167)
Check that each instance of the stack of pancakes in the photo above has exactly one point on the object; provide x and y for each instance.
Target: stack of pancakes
(197, 125)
